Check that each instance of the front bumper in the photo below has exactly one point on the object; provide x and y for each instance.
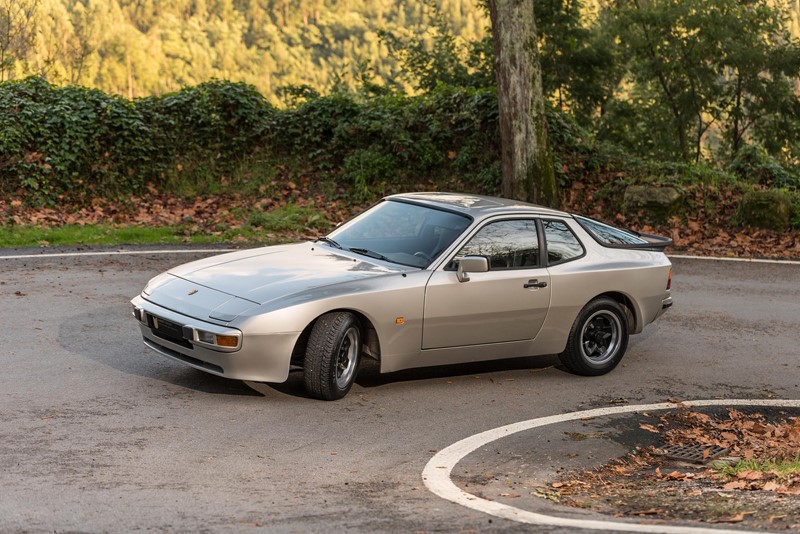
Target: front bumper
(258, 357)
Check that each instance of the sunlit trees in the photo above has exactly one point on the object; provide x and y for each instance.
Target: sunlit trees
(703, 66)
(269, 43)
(17, 33)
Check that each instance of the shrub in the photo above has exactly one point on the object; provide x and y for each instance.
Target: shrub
(78, 143)
(203, 131)
(366, 168)
(772, 209)
(753, 165)
(69, 141)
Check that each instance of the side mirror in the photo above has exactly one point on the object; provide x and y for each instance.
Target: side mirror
(471, 264)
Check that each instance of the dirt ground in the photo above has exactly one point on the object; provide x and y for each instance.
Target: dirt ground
(618, 467)
(647, 484)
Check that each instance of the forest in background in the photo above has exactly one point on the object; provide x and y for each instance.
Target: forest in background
(661, 78)
(697, 95)
(138, 48)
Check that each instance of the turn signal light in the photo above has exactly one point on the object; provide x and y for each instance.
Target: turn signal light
(218, 340)
(227, 341)
(669, 280)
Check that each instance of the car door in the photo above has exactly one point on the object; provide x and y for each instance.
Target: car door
(507, 303)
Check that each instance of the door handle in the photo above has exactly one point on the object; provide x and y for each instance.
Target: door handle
(534, 283)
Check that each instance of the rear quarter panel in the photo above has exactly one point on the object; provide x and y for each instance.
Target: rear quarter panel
(639, 275)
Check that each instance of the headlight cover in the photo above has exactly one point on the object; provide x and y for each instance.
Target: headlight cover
(157, 281)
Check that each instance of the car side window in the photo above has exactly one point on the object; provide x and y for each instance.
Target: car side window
(562, 245)
(512, 244)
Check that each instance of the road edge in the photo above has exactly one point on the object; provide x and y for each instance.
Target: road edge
(437, 472)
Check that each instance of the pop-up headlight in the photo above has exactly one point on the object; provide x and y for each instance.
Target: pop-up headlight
(159, 280)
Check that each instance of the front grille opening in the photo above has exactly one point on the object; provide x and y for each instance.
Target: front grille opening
(168, 331)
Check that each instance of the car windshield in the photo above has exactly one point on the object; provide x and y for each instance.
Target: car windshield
(609, 235)
(401, 232)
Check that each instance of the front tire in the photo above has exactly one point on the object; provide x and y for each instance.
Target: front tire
(332, 356)
(598, 339)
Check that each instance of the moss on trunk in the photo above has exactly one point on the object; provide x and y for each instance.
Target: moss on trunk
(527, 163)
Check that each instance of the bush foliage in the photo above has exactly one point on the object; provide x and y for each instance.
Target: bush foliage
(80, 143)
(72, 145)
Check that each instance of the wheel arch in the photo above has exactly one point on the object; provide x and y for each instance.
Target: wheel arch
(631, 310)
(370, 342)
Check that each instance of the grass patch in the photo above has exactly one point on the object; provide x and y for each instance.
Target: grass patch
(290, 218)
(70, 235)
(782, 469)
(106, 235)
(278, 225)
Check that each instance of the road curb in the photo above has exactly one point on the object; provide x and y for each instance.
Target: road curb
(438, 470)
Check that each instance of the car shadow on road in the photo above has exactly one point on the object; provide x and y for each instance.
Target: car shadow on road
(110, 336)
(369, 375)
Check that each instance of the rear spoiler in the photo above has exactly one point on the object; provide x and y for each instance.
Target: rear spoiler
(654, 242)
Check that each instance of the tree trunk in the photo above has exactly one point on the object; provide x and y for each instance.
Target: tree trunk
(527, 162)
(737, 114)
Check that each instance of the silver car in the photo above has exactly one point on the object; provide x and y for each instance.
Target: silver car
(416, 280)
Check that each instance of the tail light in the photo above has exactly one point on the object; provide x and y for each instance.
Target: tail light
(669, 280)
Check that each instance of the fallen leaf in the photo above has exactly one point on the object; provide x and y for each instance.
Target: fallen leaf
(736, 484)
(738, 518)
(675, 475)
(750, 475)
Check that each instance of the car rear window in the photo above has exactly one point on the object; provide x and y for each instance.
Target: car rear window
(606, 234)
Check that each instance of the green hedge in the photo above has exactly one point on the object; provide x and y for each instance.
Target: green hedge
(384, 138)
(78, 143)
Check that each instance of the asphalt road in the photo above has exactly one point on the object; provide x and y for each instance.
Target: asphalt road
(99, 434)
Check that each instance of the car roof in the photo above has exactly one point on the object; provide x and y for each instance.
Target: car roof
(477, 206)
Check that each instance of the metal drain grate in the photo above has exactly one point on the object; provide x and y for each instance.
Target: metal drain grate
(696, 454)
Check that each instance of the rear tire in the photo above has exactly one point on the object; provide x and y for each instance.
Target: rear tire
(598, 338)
(332, 356)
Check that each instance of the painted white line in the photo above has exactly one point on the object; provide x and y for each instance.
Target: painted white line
(117, 253)
(740, 260)
(438, 470)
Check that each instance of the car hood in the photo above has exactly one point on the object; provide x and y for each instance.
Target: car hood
(265, 274)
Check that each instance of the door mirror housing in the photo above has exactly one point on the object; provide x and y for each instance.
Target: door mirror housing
(471, 264)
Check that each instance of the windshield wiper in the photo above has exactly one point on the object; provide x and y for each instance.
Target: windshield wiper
(371, 254)
(326, 239)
